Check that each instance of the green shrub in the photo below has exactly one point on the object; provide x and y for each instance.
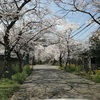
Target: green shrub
(96, 78)
(7, 87)
(20, 77)
(7, 81)
(27, 69)
(71, 69)
(6, 92)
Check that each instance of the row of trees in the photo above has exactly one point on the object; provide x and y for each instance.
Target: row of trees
(91, 8)
(59, 47)
(24, 22)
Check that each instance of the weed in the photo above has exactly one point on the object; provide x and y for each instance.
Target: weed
(8, 86)
(96, 78)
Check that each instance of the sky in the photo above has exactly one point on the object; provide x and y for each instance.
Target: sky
(79, 19)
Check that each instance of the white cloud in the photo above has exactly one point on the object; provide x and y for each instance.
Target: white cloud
(63, 25)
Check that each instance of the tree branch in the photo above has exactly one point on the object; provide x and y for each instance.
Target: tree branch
(86, 13)
(16, 4)
(16, 18)
(2, 43)
(35, 36)
(31, 9)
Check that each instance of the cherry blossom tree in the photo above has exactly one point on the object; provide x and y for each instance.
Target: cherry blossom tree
(22, 21)
(10, 13)
(64, 34)
(89, 7)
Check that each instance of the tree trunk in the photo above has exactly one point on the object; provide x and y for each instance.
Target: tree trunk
(66, 65)
(6, 66)
(6, 56)
(19, 60)
(33, 60)
(60, 60)
(86, 67)
(68, 60)
(20, 65)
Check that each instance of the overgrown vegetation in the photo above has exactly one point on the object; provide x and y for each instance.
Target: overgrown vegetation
(78, 70)
(96, 78)
(20, 77)
(9, 86)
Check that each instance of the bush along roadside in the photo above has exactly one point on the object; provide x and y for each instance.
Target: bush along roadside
(96, 77)
(78, 70)
(20, 77)
(9, 86)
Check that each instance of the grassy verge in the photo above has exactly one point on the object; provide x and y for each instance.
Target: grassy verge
(78, 70)
(9, 86)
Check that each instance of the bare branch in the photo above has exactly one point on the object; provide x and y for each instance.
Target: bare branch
(96, 2)
(2, 43)
(95, 20)
(16, 4)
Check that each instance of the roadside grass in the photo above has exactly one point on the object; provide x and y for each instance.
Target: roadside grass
(91, 76)
(9, 86)
(78, 70)
(96, 77)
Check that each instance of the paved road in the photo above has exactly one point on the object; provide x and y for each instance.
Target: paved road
(48, 82)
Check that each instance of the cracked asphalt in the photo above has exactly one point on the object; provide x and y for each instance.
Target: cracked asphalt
(49, 82)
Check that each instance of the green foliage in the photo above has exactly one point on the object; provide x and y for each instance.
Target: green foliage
(27, 69)
(90, 76)
(6, 92)
(71, 69)
(7, 87)
(96, 78)
(20, 77)
(78, 70)
(6, 81)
